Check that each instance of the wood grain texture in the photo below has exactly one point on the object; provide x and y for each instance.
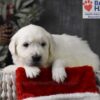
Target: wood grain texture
(65, 16)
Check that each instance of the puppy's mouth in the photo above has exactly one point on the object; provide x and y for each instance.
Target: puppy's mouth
(37, 64)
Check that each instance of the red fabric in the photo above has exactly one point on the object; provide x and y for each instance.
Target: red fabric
(79, 80)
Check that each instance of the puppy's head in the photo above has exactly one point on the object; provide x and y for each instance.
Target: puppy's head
(32, 45)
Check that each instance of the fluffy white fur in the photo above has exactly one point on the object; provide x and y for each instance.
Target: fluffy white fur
(58, 50)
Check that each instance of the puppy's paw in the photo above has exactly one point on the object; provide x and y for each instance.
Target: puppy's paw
(32, 71)
(9, 69)
(59, 74)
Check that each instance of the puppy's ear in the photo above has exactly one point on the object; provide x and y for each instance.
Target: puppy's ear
(51, 47)
(12, 46)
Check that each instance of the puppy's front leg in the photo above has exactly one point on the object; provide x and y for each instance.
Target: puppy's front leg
(58, 71)
(31, 71)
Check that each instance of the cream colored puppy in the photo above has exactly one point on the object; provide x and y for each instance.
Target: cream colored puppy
(33, 47)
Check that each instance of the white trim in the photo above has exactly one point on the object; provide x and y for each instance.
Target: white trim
(73, 96)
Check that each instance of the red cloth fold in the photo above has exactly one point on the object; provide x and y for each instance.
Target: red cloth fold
(79, 80)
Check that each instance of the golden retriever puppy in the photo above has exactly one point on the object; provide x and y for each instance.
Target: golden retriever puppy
(33, 47)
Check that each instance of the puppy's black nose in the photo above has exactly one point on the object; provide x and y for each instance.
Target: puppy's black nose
(36, 58)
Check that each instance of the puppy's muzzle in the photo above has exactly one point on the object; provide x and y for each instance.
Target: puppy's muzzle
(36, 59)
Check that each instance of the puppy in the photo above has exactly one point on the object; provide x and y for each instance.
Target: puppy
(33, 47)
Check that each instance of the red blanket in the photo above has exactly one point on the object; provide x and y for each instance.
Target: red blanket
(79, 80)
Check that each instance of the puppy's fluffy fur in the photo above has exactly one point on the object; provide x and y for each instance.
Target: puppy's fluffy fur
(58, 50)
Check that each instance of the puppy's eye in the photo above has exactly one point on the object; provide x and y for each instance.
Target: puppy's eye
(25, 44)
(43, 44)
